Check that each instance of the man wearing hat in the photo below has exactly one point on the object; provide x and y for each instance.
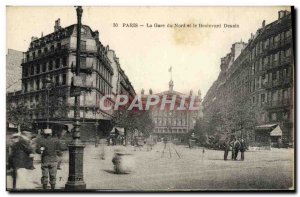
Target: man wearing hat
(49, 148)
(19, 156)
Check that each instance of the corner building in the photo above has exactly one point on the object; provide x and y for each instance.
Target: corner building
(47, 71)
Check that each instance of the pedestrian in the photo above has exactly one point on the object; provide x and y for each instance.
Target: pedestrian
(49, 148)
(19, 156)
(243, 149)
(226, 146)
(237, 146)
(63, 147)
(232, 149)
(165, 142)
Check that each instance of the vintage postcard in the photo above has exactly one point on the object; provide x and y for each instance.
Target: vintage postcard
(150, 99)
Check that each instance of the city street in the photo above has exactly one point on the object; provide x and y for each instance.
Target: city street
(177, 168)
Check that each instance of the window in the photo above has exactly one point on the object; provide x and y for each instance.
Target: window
(82, 62)
(64, 79)
(38, 84)
(25, 71)
(288, 33)
(39, 53)
(263, 99)
(50, 65)
(33, 55)
(288, 52)
(274, 116)
(31, 86)
(57, 80)
(37, 98)
(83, 30)
(253, 99)
(64, 61)
(37, 69)
(32, 70)
(83, 45)
(25, 87)
(45, 50)
(59, 46)
(57, 61)
(274, 76)
(44, 67)
(52, 48)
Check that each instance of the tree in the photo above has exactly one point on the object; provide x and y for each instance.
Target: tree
(200, 131)
(132, 120)
(18, 114)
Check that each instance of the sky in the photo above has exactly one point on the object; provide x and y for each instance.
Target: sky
(147, 53)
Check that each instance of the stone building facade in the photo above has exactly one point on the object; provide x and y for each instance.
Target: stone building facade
(48, 68)
(262, 72)
(13, 70)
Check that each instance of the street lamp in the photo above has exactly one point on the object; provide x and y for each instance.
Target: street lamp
(48, 88)
(76, 147)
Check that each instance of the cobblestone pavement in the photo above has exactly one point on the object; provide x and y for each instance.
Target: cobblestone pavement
(175, 167)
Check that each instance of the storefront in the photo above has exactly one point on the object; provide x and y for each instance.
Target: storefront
(267, 136)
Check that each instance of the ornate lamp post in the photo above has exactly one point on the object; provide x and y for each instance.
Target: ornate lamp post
(76, 147)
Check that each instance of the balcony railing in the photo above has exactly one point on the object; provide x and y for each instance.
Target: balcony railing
(56, 50)
(277, 103)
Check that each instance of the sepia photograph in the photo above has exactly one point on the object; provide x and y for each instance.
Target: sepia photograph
(150, 98)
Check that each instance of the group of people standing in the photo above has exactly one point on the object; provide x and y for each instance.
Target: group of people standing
(20, 155)
(236, 146)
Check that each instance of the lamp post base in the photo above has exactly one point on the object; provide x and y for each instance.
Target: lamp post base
(75, 186)
(75, 180)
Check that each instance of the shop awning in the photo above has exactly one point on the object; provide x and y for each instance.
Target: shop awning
(69, 126)
(266, 127)
(118, 130)
(276, 132)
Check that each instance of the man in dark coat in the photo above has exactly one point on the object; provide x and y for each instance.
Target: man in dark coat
(236, 146)
(226, 146)
(242, 148)
(232, 149)
(49, 148)
(19, 156)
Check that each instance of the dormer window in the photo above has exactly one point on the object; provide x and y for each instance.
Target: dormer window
(83, 30)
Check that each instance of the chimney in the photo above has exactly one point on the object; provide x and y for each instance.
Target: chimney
(33, 38)
(57, 25)
(97, 34)
(281, 14)
(263, 23)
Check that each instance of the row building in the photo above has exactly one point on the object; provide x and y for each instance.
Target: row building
(258, 78)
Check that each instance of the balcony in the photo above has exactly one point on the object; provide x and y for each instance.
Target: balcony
(284, 61)
(286, 41)
(275, 83)
(277, 104)
(274, 46)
